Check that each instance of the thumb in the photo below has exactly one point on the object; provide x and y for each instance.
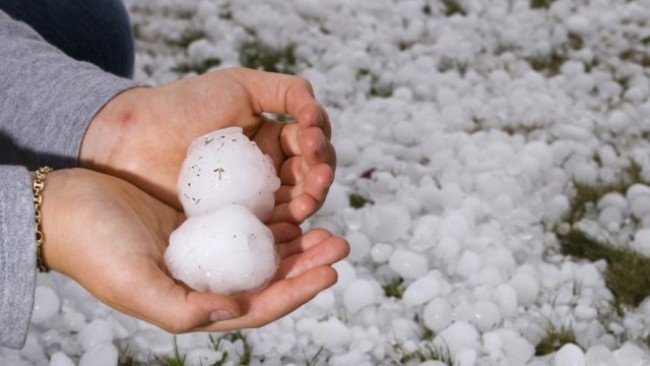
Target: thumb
(158, 299)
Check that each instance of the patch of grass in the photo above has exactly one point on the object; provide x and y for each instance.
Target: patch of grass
(453, 7)
(395, 288)
(313, 361)
(242, 359)
(427, 351)
(587, 195)
(554, 340)
(628, 272)
(541, 4)
(548, 64)
(174, 360)
(187, 37)
(257, 55)
(358, 201)
(127, 358)
(199, 68)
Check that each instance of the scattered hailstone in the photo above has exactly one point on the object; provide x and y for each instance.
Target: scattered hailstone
(226, 186)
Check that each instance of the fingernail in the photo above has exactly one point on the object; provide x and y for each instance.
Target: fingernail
(320, 117)
(220, 315)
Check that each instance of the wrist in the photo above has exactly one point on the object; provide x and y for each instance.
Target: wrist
(108, 128)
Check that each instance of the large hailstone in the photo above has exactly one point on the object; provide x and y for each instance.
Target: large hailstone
(226, 186)
(226, 251)
(225, 167)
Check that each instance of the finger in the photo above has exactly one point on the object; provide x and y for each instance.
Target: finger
(325, 252)
(279, 299)
(280, 93)
(163, 302)
(311, 143)
(295, 211)
(316, 184)
(304, 242)
(284, 232)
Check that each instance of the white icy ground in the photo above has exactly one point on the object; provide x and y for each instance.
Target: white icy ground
(468, 155)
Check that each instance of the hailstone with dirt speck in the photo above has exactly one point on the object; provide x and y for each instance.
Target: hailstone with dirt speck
(225, 167)
(226, 186)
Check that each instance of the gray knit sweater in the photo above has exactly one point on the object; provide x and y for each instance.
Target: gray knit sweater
(46, 102)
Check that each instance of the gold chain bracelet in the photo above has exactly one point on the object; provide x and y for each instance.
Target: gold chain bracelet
(39, 185)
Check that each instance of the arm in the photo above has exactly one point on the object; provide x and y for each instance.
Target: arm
(17, 255)
(46, 98)
(46, 102)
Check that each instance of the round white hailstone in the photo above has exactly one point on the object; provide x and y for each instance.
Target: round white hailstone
(630, 353)
(101, 355)
(578, 24)
(46, 304)
(202, 356)
(347, 152)
(613, 199)
(389, 222)
(426, 230)
(506, 297)
(95, 333)
(433, 363)
(527, 288)
(447, 248)
(437, 314)
(421, 290)
(408, 264)
(569, 355)
(455, 225)
(60, 359)
(336, 198)
(359, 245)
(331, 334)
(465, 357)
(346, 274)
(225, 167)
(469, 263)
(618, 121)
(611, 218)
(360, 293)
(226, 251)
(490, 276)
(74, 321)
(405, 329)
(641, 241)
(492, 342)
(486, 315)
(405, 133)
(600, 355)
(457, 336)
(324, 300)
(640, 205)
(556, 207)
(403, 93)
(380, 252)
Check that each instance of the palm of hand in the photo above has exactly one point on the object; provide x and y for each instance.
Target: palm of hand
(121, 234)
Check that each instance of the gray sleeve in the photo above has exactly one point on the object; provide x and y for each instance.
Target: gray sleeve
(17, 255)
(46, 98)
(46, 102)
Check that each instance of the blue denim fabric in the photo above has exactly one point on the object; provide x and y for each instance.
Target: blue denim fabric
(97, 31)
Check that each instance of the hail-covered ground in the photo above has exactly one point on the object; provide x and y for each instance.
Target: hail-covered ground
(468, 135)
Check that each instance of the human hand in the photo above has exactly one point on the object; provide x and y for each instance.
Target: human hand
(142, 135)
(110, 237)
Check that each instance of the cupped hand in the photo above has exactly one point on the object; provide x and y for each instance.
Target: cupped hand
(142, 134)
(110, 237)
